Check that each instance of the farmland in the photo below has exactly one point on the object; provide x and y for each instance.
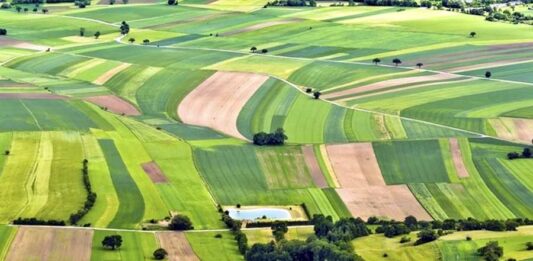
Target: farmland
(118, 116)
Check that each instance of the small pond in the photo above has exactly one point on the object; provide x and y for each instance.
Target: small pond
(258, 213)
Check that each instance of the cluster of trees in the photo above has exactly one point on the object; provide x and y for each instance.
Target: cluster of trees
(526, 154)
(3, 31)
(124, 28)
(112, 242)
(180, 222)
(394, 228)
(255, 50)
(404, 3)
(330, 242)
(311, 3)
(235, 228)
(82, 3)
(276, 138)
(38, 222)
(91, 196)
(160, 254)
(112, 2)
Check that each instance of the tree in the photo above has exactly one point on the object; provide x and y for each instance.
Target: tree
(264, 51)
(513, 155)
(180, 222)
(491, 251)
(82, 31)
(312, 3)
(18, 8)
(253, 49)
(419, 65)
(44, 10)
(316, 95)
(35, 10)
(279, 229)
(124, 28)
(426, 236)
(488, 74)
(411, 222)
(131, 40)
(276, 138)
(160, 254)
(396, 61)
(322, 225)
(351, 3)
(526, 153)
(146, 41)
(7, 152)
(376, 61)
(172, 2)
(472, 34)
(97, 35)
(112, 242)
(529, 246)
(3, 31)
(112, 2)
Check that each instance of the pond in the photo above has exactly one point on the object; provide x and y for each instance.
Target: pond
(258, 213)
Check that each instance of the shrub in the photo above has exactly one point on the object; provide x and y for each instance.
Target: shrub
(491, 251)
(112, 242)
(405, 239)
(426, 236)
(160, 254)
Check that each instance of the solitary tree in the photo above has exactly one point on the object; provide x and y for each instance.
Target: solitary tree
(376, 61)
(160, 254)
(146, 41)
(18, 9)
(316, 95)
(112, 242)
(44, 10)
(97, 35)
(253, 49)
(111, 2)
(396, 61)
(264, 51)
(180, 222)
(279, 229)
(131, 40)
(419, 65)
(488, 74)
(82, 31)
(3, 31)
(172, 2)
(35, 10)
(472, 34)
(7, 152)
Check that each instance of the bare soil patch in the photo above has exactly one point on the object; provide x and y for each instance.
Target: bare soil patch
(114, 104)
(109, 74)
(363, 188)
(13, 84)
(154, 172)
(177, 246)
(260, 26)
(54, 244)
(390, 83)
(32, 96)
(524, 129)
(457, 157)
(8, 42)
(217, 102)
(314, 168)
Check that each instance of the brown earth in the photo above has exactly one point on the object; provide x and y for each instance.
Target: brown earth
(363, 188)
(177, 246)
(54, 244)
(217, 102)
(457, 157)
(154, 172)
(390, 83)
(114, 104)
(488, 65)
(109, 74)
(524, 129)
(314, 168)
(32, 96)
(8, 42)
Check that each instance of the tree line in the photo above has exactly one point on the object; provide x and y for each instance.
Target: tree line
(91, 196)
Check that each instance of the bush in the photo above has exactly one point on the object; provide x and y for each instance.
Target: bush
(160, 254)
(112, 242)
(426, 236)
(405, 239)
(529, 246)
(3, 31)
(180, 222)
(491, 251)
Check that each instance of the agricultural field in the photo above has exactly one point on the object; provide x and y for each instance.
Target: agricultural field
(119, 117)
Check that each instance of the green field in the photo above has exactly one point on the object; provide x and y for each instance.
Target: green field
(435, 123)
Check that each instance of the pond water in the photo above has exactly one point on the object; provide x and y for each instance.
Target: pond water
(258, 213)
